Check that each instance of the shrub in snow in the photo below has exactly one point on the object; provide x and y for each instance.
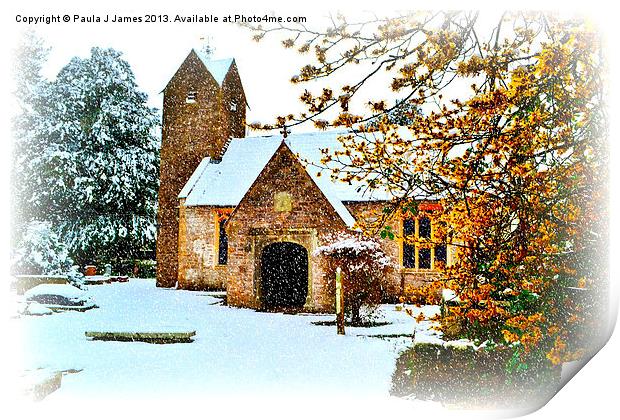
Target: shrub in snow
(468, 376)
(363, 265)
(41, 251)
(59, 296)
(75, 277)
(145, 268)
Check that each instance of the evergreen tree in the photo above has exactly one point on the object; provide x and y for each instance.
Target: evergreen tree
(41, 251)
(90, 167)
(30, 57)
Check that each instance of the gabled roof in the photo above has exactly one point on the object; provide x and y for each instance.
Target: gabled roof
(225, 183)
(217, 68)
(328, 194)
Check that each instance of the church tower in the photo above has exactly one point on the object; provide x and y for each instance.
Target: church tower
(204, 107)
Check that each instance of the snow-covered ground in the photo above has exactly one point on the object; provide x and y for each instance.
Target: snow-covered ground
(236, 352)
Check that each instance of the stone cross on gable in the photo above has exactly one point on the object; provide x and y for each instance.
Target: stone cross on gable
(285, 132)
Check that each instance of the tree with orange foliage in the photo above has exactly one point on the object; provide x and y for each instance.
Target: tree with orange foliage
(510, 140)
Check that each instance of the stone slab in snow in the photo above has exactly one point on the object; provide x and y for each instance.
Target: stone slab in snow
(163, 335)
(35, 308)
(236, 352)
(65, 290)
(90, 280)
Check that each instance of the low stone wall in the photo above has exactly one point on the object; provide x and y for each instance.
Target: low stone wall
(21, 283)
(417, 278)
(40, 383)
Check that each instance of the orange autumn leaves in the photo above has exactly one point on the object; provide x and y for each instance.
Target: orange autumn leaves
(517, 161)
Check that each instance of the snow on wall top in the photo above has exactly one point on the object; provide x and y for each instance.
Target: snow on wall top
(217, 68)
(194, 178)
(225, 183)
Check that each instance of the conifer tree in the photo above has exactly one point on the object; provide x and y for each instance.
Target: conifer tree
(89, 165)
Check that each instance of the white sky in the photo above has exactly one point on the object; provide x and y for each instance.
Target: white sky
(154, 52)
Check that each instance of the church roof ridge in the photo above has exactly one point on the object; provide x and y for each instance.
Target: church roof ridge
(218, 68)
(246, 157)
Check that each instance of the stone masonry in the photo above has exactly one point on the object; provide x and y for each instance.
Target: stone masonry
(255, 224)
(283, 204)
(191, 130)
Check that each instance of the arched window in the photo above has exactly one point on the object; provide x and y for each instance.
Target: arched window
(221, 236)
(222, 248)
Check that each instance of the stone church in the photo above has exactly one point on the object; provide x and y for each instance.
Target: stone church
(244, 214)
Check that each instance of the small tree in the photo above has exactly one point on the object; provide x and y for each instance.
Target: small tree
(41, 251)
(363, 265)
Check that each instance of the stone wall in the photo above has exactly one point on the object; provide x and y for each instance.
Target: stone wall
(402, 277)
(260, 220)
(283, 205)
(198, 268)
(255, 223)
(367, 209)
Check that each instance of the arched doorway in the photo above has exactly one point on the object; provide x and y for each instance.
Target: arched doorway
(284, 275)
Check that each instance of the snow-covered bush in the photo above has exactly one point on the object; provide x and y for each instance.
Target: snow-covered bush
(60, 296)
(75, 277)
(364, 265)
(41, 251)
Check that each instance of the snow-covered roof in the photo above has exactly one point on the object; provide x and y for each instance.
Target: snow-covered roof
(217, 68)
(189, 185)
(331, 195)
(225, 183)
